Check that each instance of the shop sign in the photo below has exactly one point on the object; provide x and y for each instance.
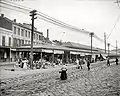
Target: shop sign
(58, 52)
(47, 51)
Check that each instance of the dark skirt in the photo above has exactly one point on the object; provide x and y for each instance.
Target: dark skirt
(63, 75)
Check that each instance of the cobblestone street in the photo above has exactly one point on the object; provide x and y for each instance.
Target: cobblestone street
(99, 81)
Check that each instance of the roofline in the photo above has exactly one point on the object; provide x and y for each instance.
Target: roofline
(21, 25)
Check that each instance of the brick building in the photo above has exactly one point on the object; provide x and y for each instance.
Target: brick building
(13, 35)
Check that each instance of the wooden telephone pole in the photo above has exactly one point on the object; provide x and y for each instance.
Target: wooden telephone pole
(91, 35)
(116, 47)
(105, 41)
(108, 49)
(33, 13)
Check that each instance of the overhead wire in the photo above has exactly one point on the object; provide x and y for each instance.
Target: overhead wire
(56, 21)
(50, 19)
(114, 26)
(12, 9)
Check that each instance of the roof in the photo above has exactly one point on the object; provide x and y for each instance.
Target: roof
(38, 48)
(78, 46)
(24, 26)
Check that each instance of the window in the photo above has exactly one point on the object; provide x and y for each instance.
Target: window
(26, 33)
(29, 34)
(25, 41)
(14, 42)
(19, 42)
(22, 42)
(37, 36)
(33, 35)
(9, 41)
(14, 30)
(22, 31)
(28, 42)
(33, 43)
(18, 31)
(3, 40)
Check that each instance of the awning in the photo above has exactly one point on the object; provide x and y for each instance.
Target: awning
(13, 49)
(87, 54)
(72, 52)
(47, 51)
(58, 52)
(104, 56)
(82, 54)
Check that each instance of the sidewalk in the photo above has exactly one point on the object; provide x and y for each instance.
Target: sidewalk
(7, 63)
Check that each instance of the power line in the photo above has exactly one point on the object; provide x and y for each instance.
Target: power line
(53, 20)
(13, 9)
(60, 22)
(20, 6)
(114, 26)
(50, 19)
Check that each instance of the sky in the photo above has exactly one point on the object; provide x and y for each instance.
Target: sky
(98, 16)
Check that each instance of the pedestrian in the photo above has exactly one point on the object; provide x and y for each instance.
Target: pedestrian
(77, 63)
(116, 61)
(80, 63)
(88, 64)
(108, 61)
(63, 72)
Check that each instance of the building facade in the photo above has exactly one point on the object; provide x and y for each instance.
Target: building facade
(13, 35)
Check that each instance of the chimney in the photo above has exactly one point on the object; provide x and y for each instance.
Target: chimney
(47, 33)
(14, 20)
(2, 15)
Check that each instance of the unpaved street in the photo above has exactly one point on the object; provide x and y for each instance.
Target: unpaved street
(101, 80)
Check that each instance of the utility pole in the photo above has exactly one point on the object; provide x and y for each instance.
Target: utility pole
(33, 13)
(105, 41)
(108, 49)
(116, 47)
(91, 35)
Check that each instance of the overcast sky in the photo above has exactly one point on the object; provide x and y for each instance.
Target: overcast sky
(96, 16)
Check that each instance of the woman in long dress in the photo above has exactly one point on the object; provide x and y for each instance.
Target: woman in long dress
(63, 72)
(25, 64)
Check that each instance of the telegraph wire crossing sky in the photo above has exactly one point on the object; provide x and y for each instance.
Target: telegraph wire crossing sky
(96, 16)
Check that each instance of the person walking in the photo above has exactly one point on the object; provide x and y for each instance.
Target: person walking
(108, 61)
(116, 61)
(77, 63)
(63, 72)
(80, 63)
(88, 64)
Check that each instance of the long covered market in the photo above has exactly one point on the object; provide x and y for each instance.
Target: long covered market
(51, 55)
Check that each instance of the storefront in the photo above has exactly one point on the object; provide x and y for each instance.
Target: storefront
(4, 54)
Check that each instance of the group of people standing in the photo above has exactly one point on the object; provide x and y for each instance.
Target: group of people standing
(108, 61)
(80, 62)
